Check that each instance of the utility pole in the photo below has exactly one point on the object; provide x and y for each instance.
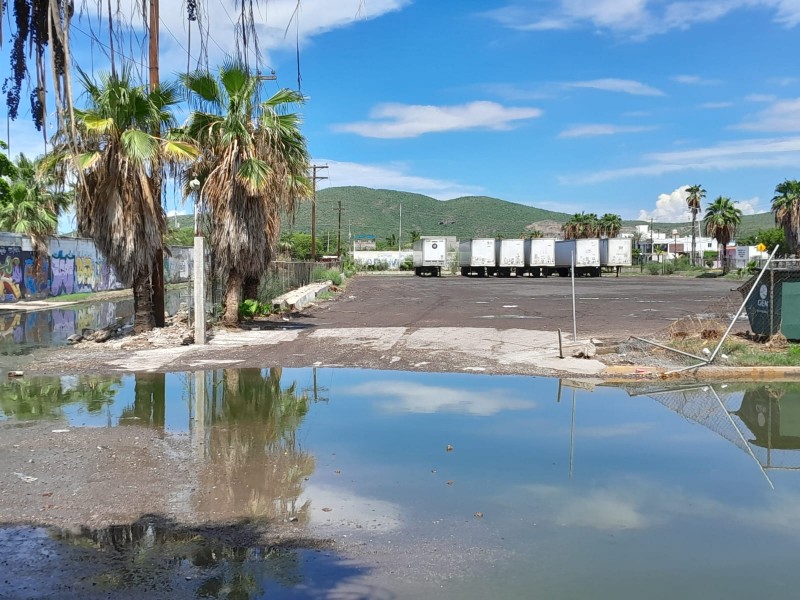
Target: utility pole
(339, 239)
(314, 178)
(157, 277)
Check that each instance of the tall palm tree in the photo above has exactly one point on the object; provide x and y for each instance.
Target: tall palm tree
(32, 204)
(610, 225)
(117, 161)
(581, 225)
(695, 194)
(786, 206)
(253, 168)
(721, 220)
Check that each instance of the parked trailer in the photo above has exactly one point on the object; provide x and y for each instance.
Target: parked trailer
(616, 252)
(540, 256)
(586, 254)
(509, 255)
(430, 255)
(476, 256)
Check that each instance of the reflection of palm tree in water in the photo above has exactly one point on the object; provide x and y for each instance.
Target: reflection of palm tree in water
(253, 458)
(44, 397)
(149, 401)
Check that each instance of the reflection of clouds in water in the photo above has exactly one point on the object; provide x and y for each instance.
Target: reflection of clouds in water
(419, 398)
(638, 504)
(349, 510)
(612, 431)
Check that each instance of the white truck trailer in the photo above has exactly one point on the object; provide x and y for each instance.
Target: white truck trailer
(509, 256)
(540, 256)
(430, 255)
(586, 254)
(616, 252)
(476, 256)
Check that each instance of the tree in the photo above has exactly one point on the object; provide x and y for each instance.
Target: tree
(695, 194)
(253, 168)
(32, 203)
(581, 225)
(786, 206)
(414, 236)
(610, 225)
(116, 159)
(721, 220)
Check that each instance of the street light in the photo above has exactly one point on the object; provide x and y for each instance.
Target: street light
(194, 185)
(675, 245)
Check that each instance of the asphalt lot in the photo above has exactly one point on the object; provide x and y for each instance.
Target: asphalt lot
(607, 307)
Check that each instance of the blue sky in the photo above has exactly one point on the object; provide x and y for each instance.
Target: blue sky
(595, 105)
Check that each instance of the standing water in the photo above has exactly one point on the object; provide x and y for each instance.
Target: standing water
(400, 485)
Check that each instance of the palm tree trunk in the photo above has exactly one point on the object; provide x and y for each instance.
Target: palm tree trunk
(250, 288)
(694, 222)
(233, 290)
(143, 319)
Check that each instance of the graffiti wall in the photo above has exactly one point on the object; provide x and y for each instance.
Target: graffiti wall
(391, 258)
(72, 265)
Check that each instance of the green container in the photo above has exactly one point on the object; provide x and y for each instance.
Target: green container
(775, 304)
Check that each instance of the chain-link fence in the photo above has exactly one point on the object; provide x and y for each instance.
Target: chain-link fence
(762, 420)
(770, 317)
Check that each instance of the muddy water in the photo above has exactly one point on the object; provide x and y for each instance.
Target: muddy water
(22, 332)
(418, 486)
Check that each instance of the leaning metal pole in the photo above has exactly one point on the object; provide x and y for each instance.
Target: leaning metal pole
(741, 308)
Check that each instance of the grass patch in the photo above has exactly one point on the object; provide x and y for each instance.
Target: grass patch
(326, 295)
(742, 352)
(73, 297)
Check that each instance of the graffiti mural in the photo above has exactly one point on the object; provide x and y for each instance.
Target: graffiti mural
(84, 274)
(11, 269)
(37, 276)
(62, 279)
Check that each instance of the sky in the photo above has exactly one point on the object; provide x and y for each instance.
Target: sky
(569, 105)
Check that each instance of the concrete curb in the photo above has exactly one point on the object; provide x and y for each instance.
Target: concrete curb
(704, 373)
(301, 297)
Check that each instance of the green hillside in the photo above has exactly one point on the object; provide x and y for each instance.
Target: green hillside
(366, 211)
(377, 212)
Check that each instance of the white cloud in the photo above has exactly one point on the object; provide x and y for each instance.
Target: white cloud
(695, 80)
(625, 86)
(760, 98)
(413, 120)
(601, 129)
(394, 177)
(743, 154)
(672, 207)
(419, 398)
(782, 115)
(635, 19)
(669, 207)
(716, 105)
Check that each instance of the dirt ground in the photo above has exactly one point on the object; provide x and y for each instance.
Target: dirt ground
(503, 326)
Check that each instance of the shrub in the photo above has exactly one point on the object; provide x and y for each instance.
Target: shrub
(332, 275)
(253, 308)
(669, 268)
(654, 268)
(407, 264)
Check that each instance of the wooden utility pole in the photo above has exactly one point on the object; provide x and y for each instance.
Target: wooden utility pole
(157, 277)
(339, 239)
(314, 178)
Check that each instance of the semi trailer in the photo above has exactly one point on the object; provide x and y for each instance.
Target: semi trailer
(540, 256)
(430, 255)
(509, 257)
(616, 252)
(585, 253)
(477, 256)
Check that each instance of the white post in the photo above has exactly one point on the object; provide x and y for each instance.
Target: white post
(199, 290)
(574, 320)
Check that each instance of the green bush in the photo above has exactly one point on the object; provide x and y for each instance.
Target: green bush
(669, 268)
(407, 264)
(654, 268)
(332, 275)
(253, 308)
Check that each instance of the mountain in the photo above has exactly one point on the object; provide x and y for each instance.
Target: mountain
(366, 211)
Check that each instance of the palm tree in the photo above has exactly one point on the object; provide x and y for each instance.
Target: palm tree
(610, 225)
(695, 193)
(581, 225)
(32, 205)
(786, 206)
(253, 168)
(414, 236)
(117, 160)
(721, 220)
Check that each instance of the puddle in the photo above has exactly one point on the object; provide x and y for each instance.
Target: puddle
(23, 332)
(419, 485)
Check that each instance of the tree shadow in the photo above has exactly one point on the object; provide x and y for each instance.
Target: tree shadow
(158, 557)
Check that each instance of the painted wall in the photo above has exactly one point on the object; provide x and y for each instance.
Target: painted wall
(71, 266)
(392, 258)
